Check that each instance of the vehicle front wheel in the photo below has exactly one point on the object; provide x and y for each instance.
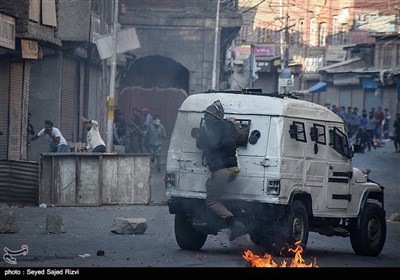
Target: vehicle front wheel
(368, 234)
(187, 237)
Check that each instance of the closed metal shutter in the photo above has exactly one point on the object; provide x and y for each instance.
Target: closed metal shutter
(371, 100)
(16, 96)
(19, 182)
(345, 97)
(25, 109)
(69, 91)
(4, 107)
(96, 107)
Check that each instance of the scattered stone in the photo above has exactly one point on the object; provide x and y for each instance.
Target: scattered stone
(129, 226)
(394, 218)
(54, 224)
(7, 219)
(100, 253)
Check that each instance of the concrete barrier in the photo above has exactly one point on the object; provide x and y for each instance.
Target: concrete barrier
(93, 179)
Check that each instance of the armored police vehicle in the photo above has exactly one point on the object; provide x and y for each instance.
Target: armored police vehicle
(296, 176)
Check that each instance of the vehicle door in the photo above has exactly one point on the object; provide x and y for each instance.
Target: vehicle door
(251, 157)
(315, 163)
(339, 168)
(185, 157)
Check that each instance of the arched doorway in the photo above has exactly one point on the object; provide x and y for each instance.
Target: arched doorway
(158, 83)
(164, 102)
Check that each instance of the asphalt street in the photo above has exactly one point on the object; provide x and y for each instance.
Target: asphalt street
(88, 232)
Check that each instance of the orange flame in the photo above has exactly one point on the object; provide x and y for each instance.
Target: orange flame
(267, 260)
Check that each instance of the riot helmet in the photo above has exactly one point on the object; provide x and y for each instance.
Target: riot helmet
(216, 109)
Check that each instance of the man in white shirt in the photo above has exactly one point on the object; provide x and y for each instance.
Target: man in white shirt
(94, 141)
(57, 142)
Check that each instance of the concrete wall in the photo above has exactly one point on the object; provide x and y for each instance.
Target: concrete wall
(182, 31)
(23, 27)
(18, 9)
(92, 179)
(74, 20)
(191, 47)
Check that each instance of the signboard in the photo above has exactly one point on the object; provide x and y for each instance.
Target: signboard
(284, 82)
(30, 49)
(127, 40)
(94, 27)
(49, 14)
(241, 54)
(311, 64)
(7, 31)
(285, 78)
(343, 80)
(264, 66)
(264, 50)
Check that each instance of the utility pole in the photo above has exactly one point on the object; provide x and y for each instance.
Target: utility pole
(251, 66)
(111, 101)
(285, 75)
(281, 35)
(105, 10)
(214, 70)
(286, 46)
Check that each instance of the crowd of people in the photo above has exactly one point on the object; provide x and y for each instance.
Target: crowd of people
(57, 142)
(368, 129)
(143, 132)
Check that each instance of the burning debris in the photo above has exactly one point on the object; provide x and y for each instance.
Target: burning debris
(268, 261)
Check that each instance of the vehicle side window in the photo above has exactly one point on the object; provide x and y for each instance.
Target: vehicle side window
(297, 131)
(243, 124)
(338, 141)
(317, 133)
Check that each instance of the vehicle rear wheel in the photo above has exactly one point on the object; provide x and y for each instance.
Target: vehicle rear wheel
(256, 238)
(266, 241)
(187, 237)
(368, 233)
(295, 228)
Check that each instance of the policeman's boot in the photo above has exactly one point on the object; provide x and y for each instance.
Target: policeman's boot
(237, 228)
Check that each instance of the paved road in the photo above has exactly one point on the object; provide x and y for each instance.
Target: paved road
(89, 230)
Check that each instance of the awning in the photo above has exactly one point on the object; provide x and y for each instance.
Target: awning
(318, 87)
